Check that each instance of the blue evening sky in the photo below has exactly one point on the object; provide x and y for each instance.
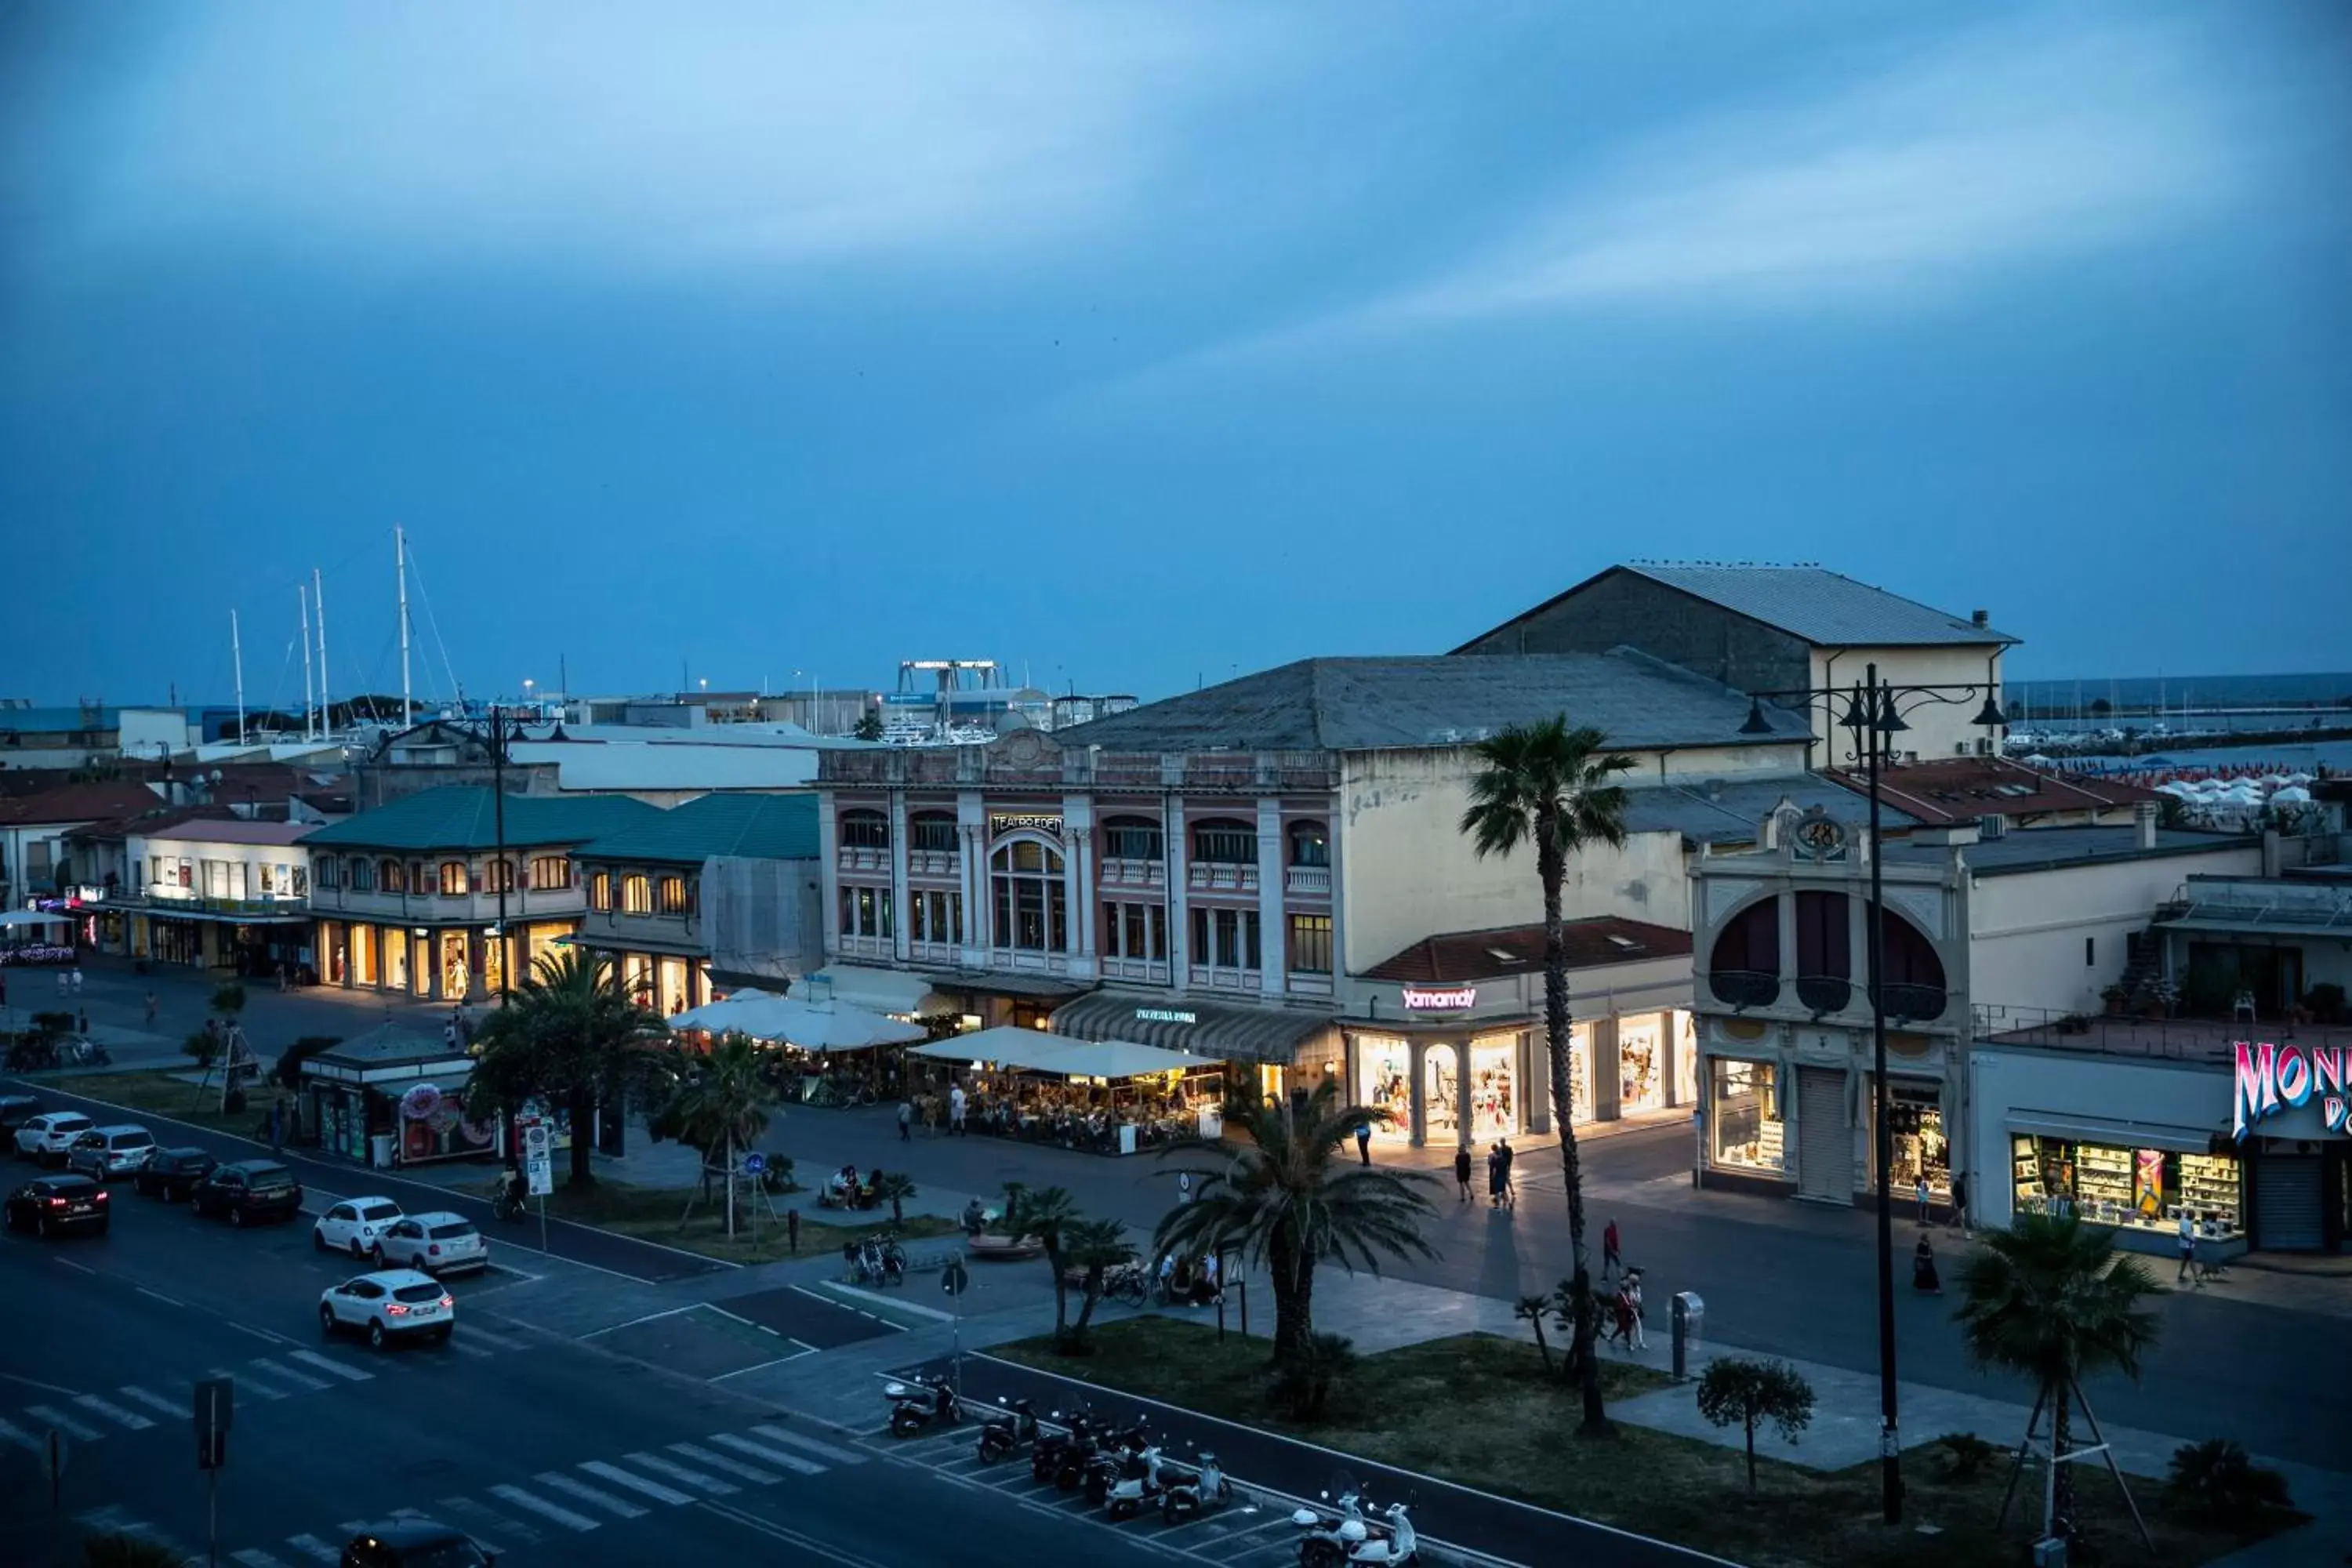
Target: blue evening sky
(1133, 343)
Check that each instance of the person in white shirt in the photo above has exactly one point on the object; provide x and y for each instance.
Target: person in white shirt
(2187, 1248)
(955, 1109)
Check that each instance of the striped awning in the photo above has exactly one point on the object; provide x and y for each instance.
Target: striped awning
(1270, 1035)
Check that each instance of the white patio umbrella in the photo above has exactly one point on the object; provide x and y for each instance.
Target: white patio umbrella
(839, 1026)
(749, 1012)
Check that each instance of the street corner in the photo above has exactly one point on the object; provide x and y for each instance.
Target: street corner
(701, 1342)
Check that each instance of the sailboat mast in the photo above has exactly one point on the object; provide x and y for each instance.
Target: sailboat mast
(326, 708)
(308, 733)
(400, 552)
(236, 658)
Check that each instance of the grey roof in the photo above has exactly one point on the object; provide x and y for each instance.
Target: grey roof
(1373, 704)
(760, 826)
(1730, 811)
(389, 1044)
(1821, 606)
(2041, 848)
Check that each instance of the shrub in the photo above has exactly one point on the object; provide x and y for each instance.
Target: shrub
(202, 1046)
(1735, 1389)
(1966, 1455)
(2220, 1480)
(289, 1071)
(53, 1023)
(229, 997)
(1302, 1386)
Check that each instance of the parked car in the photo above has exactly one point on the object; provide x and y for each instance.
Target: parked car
(415, 1543)
(51, 1205)
(245, 1191)
(389, 1304)
(45, 1139)
(173, 1174)
(353, 1225)
(103, 1153)
(438, 1242)
(15, 1110)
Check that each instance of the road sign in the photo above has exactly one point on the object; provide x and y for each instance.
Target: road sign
(216, 1405)
(953, 1278)
(538, 1140)
(755, 1164)
(540, 1173)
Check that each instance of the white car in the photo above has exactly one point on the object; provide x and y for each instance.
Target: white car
(353, 1225)
(103, 1153)
(389, 1304)
(438, 1242)
(45, 1139)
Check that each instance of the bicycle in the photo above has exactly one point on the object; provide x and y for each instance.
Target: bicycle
(505, 1202)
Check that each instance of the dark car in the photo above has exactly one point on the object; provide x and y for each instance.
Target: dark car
(52, 1206)
(173, 1174)
(249, 1190)
(15, 1110)
(414, 1543)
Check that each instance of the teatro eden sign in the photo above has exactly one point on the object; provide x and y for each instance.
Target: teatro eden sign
(2273, 1080)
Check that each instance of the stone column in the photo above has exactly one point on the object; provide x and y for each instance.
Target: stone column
(828, 855)
(1535, 1062)
(901, 926)
(971, 835)
(1273, 938)
(1608, 1082)
(1179, 920)
(1417, 1089)
(1078, 835)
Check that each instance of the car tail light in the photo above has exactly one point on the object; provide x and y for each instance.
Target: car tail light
(102, 1194)
(448, 1300)
(395, 1311)
(57, 1203)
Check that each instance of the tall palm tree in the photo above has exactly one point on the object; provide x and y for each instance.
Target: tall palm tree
(2050, 1297)
(1093, 1247)
(723, 1100)
(571, 1030)
(1552, 786)
(1049, 1214)
(1290, 1198)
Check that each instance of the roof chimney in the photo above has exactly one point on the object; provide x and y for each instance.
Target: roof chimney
(2144, 816)
(1981, 617)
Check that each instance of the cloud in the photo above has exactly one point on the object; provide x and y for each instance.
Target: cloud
(726, 133)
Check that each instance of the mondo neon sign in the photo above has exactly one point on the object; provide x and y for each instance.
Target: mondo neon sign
(2274, 1078)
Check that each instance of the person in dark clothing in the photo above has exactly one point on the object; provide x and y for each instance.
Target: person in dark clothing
(1612, 1260)
(1462, 1172)
(1364, 1141)
(1922, 1269)
(1495, 1175)
(1508, 1156)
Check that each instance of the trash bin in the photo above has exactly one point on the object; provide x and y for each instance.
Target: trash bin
(1690, 1320)
(380, 1150)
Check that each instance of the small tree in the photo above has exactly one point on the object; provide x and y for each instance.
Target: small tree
(1093, 1246)
(870, 725)
(1737, 1389)
(1530, 1310)
(897, 1186)
(1049, 1214)
(202, 1047)
(228, 999)
(2221, 1482)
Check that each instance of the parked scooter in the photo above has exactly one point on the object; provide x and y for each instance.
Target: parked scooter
(1400, 1546)
(1103, 1455)
(1004, 1435)
(1046, 1454)
(1350, 1541)
(914, 1407)
(1331, 1535)
(1204, 1491)
(1135, 1488)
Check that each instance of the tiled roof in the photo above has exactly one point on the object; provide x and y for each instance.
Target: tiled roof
(460, 816)
(2047, 849)
(1730, 811)
(1962, 789)
(762, 826)
(159, 819)
(1821, 606)
(236, 830)
(1375, 704)
(78, 802)
(1519, 949)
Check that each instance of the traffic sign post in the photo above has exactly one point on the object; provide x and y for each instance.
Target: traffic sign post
(955, 1280)
(538, 1166)
(216, 1405)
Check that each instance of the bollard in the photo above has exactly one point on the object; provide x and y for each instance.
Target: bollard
(1690, 1323)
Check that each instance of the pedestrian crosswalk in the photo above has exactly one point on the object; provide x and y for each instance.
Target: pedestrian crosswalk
(554, 1504)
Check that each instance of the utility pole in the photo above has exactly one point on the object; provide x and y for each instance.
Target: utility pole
(1882, 718)
(308, 734)
(400, 556)
(502, 873)
(326, 708)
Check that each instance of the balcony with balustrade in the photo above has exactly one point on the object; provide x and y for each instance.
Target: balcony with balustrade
(1221, 877)
(1119, 872)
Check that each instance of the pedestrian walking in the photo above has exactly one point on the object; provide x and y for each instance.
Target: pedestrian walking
(1510, 1189)
(1462, 1172)
(1183, 1187)
(76, 979)
(793, 1229)
(1364, 1141)
(1612, 1260)
(1960, 1201)
(64, 984)
(1924, 1277)
(955, 1110)
(1637, 1337)
(151, 1009)
(1494, 1175)
(2188, 1249)
(906, 1121)
(1920, 1187)
(449, 1034)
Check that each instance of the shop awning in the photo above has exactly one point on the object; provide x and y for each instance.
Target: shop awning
(1211, 1029)
(32, 917)
(1039, 1051)
(2111, 1133)
(882, 990)
(810, 1025)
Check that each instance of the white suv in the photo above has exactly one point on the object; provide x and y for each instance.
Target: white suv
(440, 1243)
(390, 1304)
(45, 1139)
(353, 1225)
(103, 1153)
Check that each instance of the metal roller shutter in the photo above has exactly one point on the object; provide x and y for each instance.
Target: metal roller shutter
(2287, 1202)
(1825, 1141)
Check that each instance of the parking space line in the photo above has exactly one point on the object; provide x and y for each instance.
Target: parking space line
(64, 1423)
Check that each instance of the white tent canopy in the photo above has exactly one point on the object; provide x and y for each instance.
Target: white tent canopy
(30, 918)
(809, 1025)
(1038, 1051)
(758, 1013)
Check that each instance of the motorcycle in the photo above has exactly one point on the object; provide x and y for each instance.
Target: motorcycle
(1002, 1436)
(1207, 1489)
(1352, 1542)
(1327, 1540)
(1046, 1453)
(914, 1407)
(1081, 1461)
(1137, 1485)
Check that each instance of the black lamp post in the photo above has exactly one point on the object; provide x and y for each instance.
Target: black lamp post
(1874, 713)
(501, 734)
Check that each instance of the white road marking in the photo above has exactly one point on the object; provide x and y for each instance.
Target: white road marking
(469, 1509)
(773, 1456)
(839, 1456)
(542, 1507)
(252, 1385)
(64, 1423)
(116, 1521)
(621, 1478)
(499, 1341)
(328, 1363)
(315, 1549)
(462, 1345)
(112, 1412)
(10, 1434)
(722, 1463)
(678, 1472)
(159, 1296)
(254, 1557)
(160, 1405)
(589, 1494)
(301, 1380)
(262, 1334)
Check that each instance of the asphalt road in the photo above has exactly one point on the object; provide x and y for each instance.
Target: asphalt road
(541, 1445)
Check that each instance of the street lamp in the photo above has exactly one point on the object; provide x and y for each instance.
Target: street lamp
(501, 734)
(1872, 712)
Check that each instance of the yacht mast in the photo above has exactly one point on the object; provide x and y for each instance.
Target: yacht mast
(308, 733)
(326, 708)
(399, 553)
(237, 657)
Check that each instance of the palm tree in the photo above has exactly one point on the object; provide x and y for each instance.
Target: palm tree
(572, 1029)
(1049, 1214)
(2050, 1297)
(1290, 1198)
(722, 1103)
(1093, 1248)
(1551, 786)
(897, 1186)
(1530, 1309)
(120, 1549)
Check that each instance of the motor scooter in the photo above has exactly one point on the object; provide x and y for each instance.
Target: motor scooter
(1135, 1488)
(1100, 1464)
(1046, 1454)
(1330, 1537)
(1205, 1490)
(1002, 1436)
(914, 1407)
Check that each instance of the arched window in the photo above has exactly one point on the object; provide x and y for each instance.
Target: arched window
(1745, 968)
(499, 877)
(454, 880)
(392, 875)
(330, 872)
(362, 874)
(864, 830)
(931, 830)
(1311, 843)
(1912, 988)
(1824, 951)
(600, 892)
(550, 873)
(636, 894)
(1132, 839)
(672, 891)
(1031, 906)
(1222, 841)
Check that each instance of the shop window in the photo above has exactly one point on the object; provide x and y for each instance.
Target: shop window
(934, 831)
(550, 872)
(390, 876)
(1745, 967)
(1380, 1084)
(1030, 902)
(1132, 839)
(1311, 843)
(1913, 986)
(499, 877)
(1223, 842)
(864, 830)
(1744, 1112)
(673, 895)
(1494, 1086)
(1310, 945)
(362, 875)
(2139, 1189)
(1441, 1094)
(455, 882)
(1226, 939)
(636, 894)
(1915, 1125)
(600, 892)
(1641, 1063)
